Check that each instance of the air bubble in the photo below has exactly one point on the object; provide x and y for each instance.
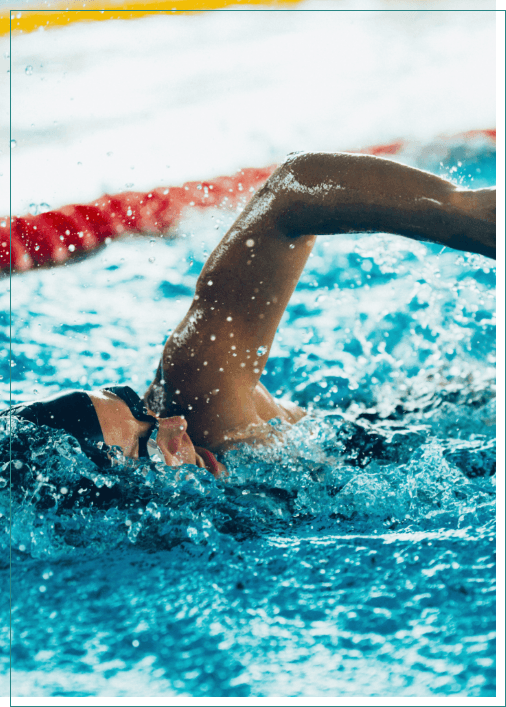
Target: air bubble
(262, 350)
(250, 242)
(33, 209)
(13, 144)
(212, 337)
(43, 208)
(29, 70)
(151, 260)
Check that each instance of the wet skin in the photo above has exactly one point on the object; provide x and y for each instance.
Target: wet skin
(207, 388)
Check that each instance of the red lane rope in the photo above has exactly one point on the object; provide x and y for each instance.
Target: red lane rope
(54, 236)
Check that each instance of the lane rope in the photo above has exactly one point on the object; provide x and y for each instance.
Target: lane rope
(33, 18)
(55, 236)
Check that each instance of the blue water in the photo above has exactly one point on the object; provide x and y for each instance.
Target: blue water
(356, 559)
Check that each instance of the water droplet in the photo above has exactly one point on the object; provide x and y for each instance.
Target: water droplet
(212, 337)
(250, 242)
(262, 350)
(210, 282)
(13, 144)
(292, 246)
(35, 391)
(29, 70)
(129, 211)
(151, 260)
(135, 643)
(72, 247)
(229, 319)
(34, 209)
(42, 588)
(3, 224)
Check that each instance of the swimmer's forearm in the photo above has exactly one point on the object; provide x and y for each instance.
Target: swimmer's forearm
(338, 193)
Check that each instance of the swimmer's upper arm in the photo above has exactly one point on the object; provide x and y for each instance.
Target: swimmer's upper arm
(216, 355)
(248, 280)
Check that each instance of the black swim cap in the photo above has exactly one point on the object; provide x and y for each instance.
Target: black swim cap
(71, 411)
(74, 412)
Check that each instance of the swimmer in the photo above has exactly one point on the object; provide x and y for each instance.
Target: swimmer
(206, 395)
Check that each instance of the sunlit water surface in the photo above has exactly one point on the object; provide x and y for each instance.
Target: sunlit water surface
(357, 558)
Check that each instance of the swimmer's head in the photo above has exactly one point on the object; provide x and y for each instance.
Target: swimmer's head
(117, 417)
(140, 433)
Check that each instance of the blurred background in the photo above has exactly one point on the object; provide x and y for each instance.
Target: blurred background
(156, 99)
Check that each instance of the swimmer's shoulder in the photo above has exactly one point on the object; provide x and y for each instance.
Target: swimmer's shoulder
(254, 429)
(268, 407)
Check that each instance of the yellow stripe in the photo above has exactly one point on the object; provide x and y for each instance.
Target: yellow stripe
(24, 21)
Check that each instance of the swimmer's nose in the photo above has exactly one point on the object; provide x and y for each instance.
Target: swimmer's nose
(171, 431)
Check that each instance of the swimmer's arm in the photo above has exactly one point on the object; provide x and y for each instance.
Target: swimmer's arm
(243, 290)
(248, 280)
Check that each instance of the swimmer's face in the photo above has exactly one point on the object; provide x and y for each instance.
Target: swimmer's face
(120, 428)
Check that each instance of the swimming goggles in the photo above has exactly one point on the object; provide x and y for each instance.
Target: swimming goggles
(152, 450)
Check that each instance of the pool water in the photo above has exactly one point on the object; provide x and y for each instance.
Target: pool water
(355, 558)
